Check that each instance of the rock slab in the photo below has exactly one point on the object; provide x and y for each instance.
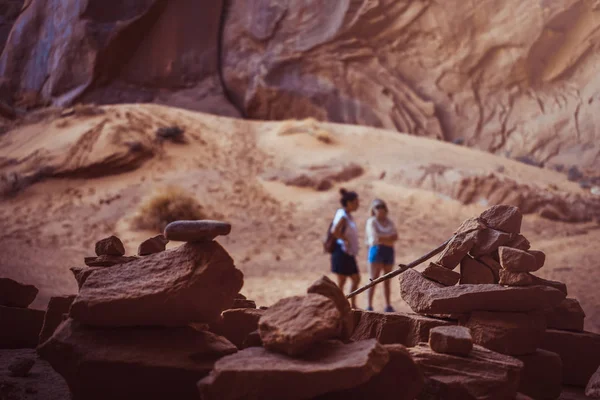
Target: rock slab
(454, 340)
(237, 324)
(441, 275)
(472, 272)
(516, 260)
(193, 283)
(15, 294)
(568, 315)
(196, 231)
(541, 377)
(20, 327)
(326, 287)
(58, 307)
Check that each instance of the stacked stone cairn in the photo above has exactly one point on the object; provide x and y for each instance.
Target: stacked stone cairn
(506, 308)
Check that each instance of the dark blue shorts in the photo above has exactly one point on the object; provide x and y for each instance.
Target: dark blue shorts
(343, 263)
(381, 254)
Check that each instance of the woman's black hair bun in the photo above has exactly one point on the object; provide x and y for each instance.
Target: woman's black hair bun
(343, 191)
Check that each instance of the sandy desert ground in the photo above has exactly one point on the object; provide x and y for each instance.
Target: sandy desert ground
(105, 162)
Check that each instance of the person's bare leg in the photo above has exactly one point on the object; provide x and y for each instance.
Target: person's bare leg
(386, 284)
(355, 281)
(341, 281)
(374, 272)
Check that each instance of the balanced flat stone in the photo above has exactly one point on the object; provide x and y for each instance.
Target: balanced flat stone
(256, 373)
(516, 260)
(507, 333)
(153, 245)
(192, 283)
(441, 275)
(483, 375)
(503, 218)
(395, 328)
(295, 324)
(472, 272)
(196, 231)
(58, 307)
(568, 315)
(455, 340)
(427, 297)
(326, 287)
(15, 294)
(110, 246)
(133, 363)
(541, 377)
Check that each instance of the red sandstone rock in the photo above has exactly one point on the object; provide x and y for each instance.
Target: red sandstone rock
(540, 258)
(192, 283)
(475, 273)
(400, 372)
(153, 245)
(131, 363)
(507, 333)
(110, 246)
(243, 303)
(58, 307)
(510, 278)
(196, 231)
(15, 294)
(20, 327)
(579, 351)
(326, 287)
(493, 265)
(541, 377)
(457, 249)
(237, 324)
(470, 225)
(82, 273)
(568, 315)
(328, 367)
(553, 284)
(488, 241)
(295, 324)
(425, 296)
(454, 340)
(107, 260)
(519, 242)
(504, 218)
(482, 375)
(442, 275)
(394, 328)
(515, 260)
(593, 387)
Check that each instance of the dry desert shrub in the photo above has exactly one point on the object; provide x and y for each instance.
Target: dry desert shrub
(165, 206)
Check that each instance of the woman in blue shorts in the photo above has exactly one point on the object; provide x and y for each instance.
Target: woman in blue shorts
(381, 235)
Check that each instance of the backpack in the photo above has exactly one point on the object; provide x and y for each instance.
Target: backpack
(330, 240)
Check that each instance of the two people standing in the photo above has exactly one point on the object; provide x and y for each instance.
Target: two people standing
(381, 234)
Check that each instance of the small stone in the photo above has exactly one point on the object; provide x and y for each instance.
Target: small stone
(110, 246)
(153, 245)
(15, 294)
(510, 278)
(21, 367)
(553, 284)
(294, 324)
(568, 315)
(108, 261)
(488, 241)
(593, 387)
(540, 258)
(519, 242)
(503, 218)
(516, 260)
(457, 249)
(326, 287)
(472, 272)
(455, 340)
(196, 231)
(442, 275)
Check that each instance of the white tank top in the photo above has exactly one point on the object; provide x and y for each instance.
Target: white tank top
(351, 232)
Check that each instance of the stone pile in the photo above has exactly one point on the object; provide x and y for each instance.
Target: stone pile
(507, 309)
(20, 325)
(139, 327)
(301, 349)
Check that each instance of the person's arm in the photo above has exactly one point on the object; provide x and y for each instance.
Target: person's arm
(338, 229)
(371, 231)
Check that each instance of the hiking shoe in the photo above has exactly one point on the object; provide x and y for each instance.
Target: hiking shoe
(389, 309)
(369, 308)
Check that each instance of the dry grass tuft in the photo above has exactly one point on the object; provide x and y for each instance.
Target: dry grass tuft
(165, 206)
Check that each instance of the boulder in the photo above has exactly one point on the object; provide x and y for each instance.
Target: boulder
(153, 245)
(483, 375)
(58, 307)
(400, 372)
(82, 273)
(507, 333)
(504, 218)
(455, 340)
(568, 315)
(21, 367)
(458, 247)
(295, 324)
(519, 242)
(593, 387)
(394, 328)
(196, 231)
(131, 363)
(579, 351)
(515, 260)
(326, 287)
(425, 296)
(256, 373)
(488, 241)
(192, 283)
(493, 265)
(20, 327)
(108, 260)
(237, 324)
(15, 294)
(540, 258)
(472, 272)
(510, 278)
(541, 377)
(440, 274)
(110, 246)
